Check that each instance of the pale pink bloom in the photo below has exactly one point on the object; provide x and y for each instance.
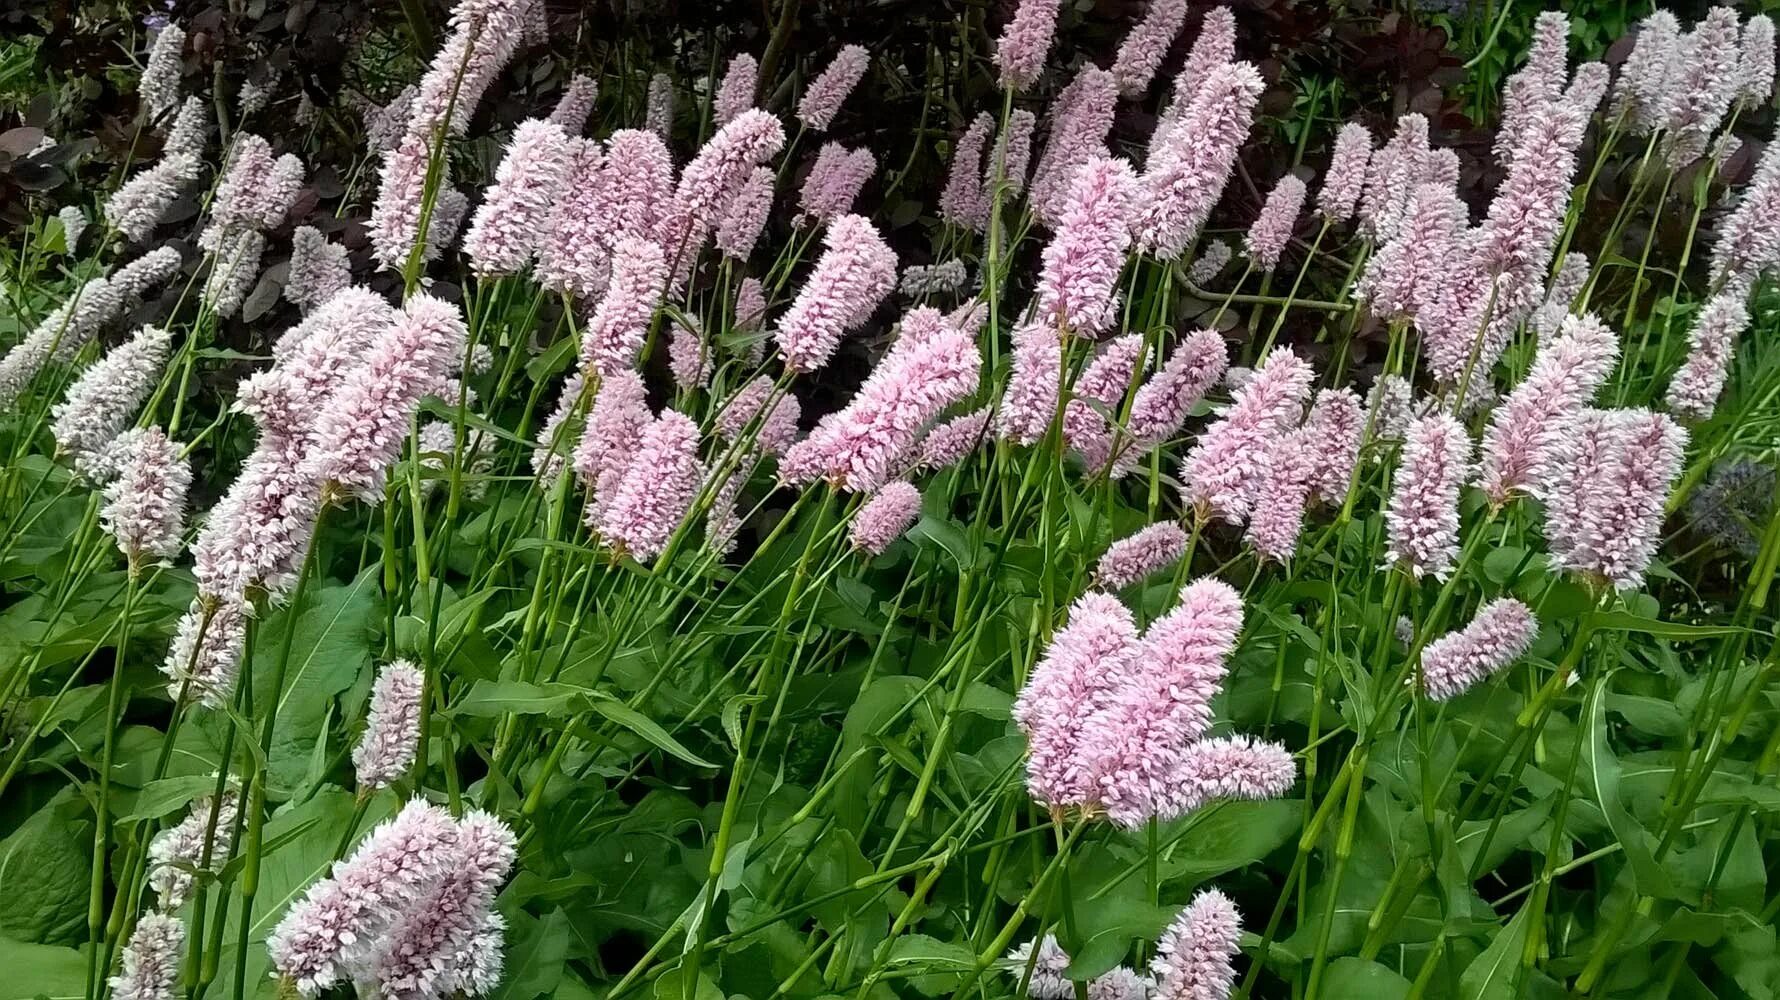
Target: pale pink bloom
(557, 432)
(64, 331)
(1214, 46)
(1161, 404)
(1025, 41)
(1137, 555)
(485, 34)
(360, 432)
(159, 86)
(1411, 270)
(1048, 979)
(131, 282)
(318, 269)
(1266, 240)
(1588, 87)
(635, 187)
(1074, 682)
(1333, 431)
(777, 428)
(1160, 704)
(1707, 80)
(449, 210)
(1231, 767)
(1501, 632)
(1013, 151)
(137, 207)
(507, 229)
(233, 271)
(104, 400)
(449, 940)
(1080, 118)
(884, 517)
(823, 98)
(1102, 386)
(856, 271)
(1140, 55)
(723, 521)
(658, 106)
(1193, 955)
(657, 490)
(150, 964)
(744, 218)
(1525, 432)
(1693, 394)
(1281, 490)
(613, 432)
(1644, 88)
(1393, 406)
(573, 258)
(1539, 83)
(1079, 278)
(1220, 471)
(394, 227)
(190, 130)
(619, 326)
(1561, 294)
(736, 93)
(1209, 263)
(721, 166)
(1346, 179)
(1755, 62)
(180, 850)
(1392, 174)
(343, 917)
(249, 195)
(1604, 512)
(750, 305)
(964, 201)
(949, 443)
(144, 509)
(689, 357)
(1119, 983)
(1748, 242)
(575, 104)
(385, 124)
(1187, 173)
(1527, 213)
(1030, 401)
(1422, 519)
(392, 727)
(205, 656)
(835, 180)
(313, 357)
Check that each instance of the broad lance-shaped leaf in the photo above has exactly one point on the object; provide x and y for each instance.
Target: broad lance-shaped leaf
(1601, 771)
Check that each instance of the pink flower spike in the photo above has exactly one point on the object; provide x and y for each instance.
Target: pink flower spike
(1748, 242)
(1161, 404)
(392, 726)
(144, 509)
(1642, 92)
(506, 229)
(1214, 46)
(1346, 179)
(744, 218)
(1525, 433)
(1147, 43)
(1074, 682)
(1025, 42)
(618, 327)
(1281, 490)
(1755, 62)
(1232, 767)
(951, 442)
(1078, 282)
(722, 165)
(1333, 431)
(1135, 745)
(778, 427)
(573, 258)
(1188, 170)
(1080, 118)
(448, 941)
(825, 94)
(1502, 631)
(965, 202)
(1422, 519)
(856, 271)
(1102, 387)
(1030, 401)
(689, 357)
(205, 657)
(1693, 394)
(150, 963)
(1138, 555)
(658, 107)
(736, 93)
(1193, 955)
(614, 431)
(318, 269)
(1220, 471)
(576, 103)
(159, 85)
(835, 180)
(1267, 238)
(1604, 513)
(1014, 148)
(635, 187)
(883, 519)
(103, 401)
(1707, 80)
(657, 490)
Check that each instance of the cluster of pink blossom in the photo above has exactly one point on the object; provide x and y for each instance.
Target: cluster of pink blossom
(1501, 631)
(1220, 471)
(1604, 510)
(1045, 974)
(855, 273)
(392, 726)
(835, 180)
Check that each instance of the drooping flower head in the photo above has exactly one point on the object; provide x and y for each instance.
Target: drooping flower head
(507, 229)
(1422, 518)
(1266, 240)
(885, 517)
(1074, 682)
(823, 98)
(856, 271)
(1140, 554)
(392, 727)
(1232, 767)
(1161, 405)
(1502, 630)
(1078, 282)
(1025, 42)
(1693, 393)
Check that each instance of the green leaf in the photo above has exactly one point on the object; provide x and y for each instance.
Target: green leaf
(646, 727)
(492, 699)
(41, 970)
(1348, 976)
(1625, 621)
(534, 955)
(1602, 772)
(1492, 975)
(44, 866)
(948, 536)
(166, 795)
